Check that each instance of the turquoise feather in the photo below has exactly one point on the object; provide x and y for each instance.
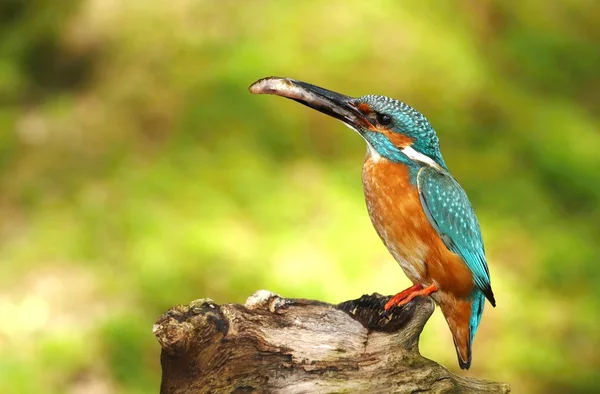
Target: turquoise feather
(448, 209)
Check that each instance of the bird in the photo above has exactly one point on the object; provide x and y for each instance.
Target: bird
(418, 209)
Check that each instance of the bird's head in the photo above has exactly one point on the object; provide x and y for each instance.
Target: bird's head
(392, 129)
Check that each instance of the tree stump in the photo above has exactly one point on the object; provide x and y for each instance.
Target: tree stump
(277, 345)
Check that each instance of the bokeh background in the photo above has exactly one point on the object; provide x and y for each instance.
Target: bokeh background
(137, 173)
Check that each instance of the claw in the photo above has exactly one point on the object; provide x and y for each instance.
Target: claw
(405, 296)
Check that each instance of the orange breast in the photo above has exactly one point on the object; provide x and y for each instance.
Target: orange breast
(398, 217)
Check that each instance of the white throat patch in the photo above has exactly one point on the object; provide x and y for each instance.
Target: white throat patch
(372, 151)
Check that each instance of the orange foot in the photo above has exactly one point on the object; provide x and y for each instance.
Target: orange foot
(405, 296)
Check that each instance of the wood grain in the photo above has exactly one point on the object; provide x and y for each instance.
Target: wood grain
(277, 345)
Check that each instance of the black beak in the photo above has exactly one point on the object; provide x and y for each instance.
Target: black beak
(331, 103)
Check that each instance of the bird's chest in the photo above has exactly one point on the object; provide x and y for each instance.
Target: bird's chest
(397, 214)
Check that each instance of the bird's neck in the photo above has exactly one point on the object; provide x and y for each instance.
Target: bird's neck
(381, 148)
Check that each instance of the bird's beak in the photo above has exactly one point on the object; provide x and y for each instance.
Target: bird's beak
(331, 103)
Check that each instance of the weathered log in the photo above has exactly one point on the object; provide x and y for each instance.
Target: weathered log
(277, 345)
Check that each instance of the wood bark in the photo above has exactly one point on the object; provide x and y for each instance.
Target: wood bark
(277, 345)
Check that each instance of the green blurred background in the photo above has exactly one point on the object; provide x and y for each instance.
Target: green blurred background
(137, 173)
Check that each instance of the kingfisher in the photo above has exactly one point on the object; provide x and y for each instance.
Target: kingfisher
(420, 212)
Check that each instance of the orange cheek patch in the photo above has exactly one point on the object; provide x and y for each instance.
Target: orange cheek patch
(399, 140)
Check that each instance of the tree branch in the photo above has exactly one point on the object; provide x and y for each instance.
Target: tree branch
(277, 345)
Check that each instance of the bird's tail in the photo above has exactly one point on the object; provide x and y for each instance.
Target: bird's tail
(463, 317)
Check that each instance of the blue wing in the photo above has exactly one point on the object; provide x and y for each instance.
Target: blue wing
(448, 209)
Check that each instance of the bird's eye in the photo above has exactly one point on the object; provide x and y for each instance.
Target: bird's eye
(384, 119)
